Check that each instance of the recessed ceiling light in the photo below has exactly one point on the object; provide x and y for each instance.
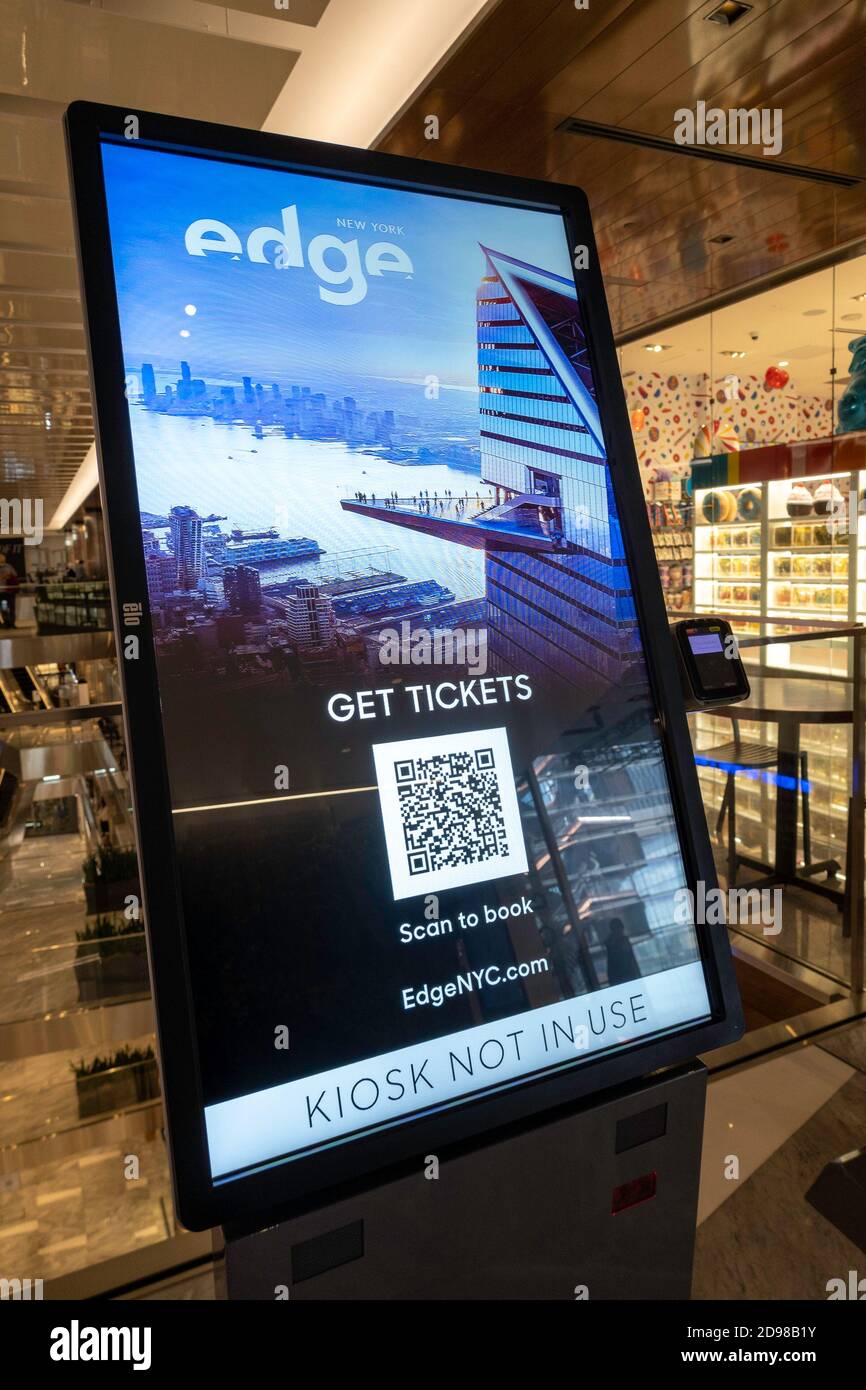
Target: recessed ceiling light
(731, 352)
(858, 296)
(184, 332)
(656, 347)
(722, 239)
(728, 12)
(783, 362)
(189, 309)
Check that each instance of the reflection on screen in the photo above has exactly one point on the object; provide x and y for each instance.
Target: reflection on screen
(422, 817)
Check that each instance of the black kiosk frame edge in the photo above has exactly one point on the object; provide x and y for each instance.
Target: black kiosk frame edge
(285, 1188)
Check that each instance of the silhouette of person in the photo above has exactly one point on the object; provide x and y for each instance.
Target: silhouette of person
(9, 582)
(621, 961)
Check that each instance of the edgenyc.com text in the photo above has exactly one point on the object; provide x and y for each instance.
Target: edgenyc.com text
(473, 980)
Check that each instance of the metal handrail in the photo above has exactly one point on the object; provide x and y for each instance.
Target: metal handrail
(810, 632)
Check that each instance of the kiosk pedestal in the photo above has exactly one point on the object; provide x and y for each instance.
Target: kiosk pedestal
(602, 1199)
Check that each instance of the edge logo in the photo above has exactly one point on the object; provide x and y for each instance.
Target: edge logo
(207, 236)
(76, 1343)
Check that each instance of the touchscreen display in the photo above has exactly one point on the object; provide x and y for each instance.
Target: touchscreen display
(715, 669)
(425, 840)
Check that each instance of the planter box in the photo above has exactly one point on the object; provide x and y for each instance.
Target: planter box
(106, 1092)
(117, 1090)
(147, 1081)
(109, 897)
(114, 976)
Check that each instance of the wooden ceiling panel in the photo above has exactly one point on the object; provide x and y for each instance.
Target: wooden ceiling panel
(633, 63)
(560, 39)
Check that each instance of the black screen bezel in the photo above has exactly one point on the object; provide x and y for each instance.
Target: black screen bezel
(289, 1186)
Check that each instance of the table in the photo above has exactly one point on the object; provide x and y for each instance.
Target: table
(790, 702)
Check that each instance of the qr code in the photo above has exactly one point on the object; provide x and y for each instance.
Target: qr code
(450, 811)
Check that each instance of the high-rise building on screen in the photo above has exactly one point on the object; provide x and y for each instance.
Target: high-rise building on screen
(243, 588)
(186, 545)
(161, 571)
(310, 617)
(542, 448)
(559, 601)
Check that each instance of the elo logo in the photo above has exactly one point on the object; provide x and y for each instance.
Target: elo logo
(207, 236)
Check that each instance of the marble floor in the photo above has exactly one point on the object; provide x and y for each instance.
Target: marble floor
(79, 1211)
(65, 1214)
(39, 1096)
(39, 916)
(758, 1237)
(38, 922)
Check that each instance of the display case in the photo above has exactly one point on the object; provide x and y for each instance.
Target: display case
(784, 548)
(776, 549)
(730, 549)
(671, 524)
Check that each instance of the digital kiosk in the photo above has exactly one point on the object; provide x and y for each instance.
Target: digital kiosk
(418, 818)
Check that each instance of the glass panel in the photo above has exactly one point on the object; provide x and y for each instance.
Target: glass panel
(777, 790)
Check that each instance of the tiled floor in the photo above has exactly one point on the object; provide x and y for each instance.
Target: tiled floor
(765, 1241)
(751, 1114)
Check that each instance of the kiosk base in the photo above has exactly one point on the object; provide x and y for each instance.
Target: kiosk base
(598, 1203)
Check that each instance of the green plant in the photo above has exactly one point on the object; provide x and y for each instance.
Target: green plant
(107, 937)
(110, 865)
(124, 1057)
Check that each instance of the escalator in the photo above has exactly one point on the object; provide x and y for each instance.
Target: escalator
(14, 696)
(26, 684)
(23, 690)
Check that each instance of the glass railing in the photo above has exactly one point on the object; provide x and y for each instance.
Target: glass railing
(73, 605)
(782, 777)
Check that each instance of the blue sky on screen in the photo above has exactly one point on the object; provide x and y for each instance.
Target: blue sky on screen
(272, 323)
